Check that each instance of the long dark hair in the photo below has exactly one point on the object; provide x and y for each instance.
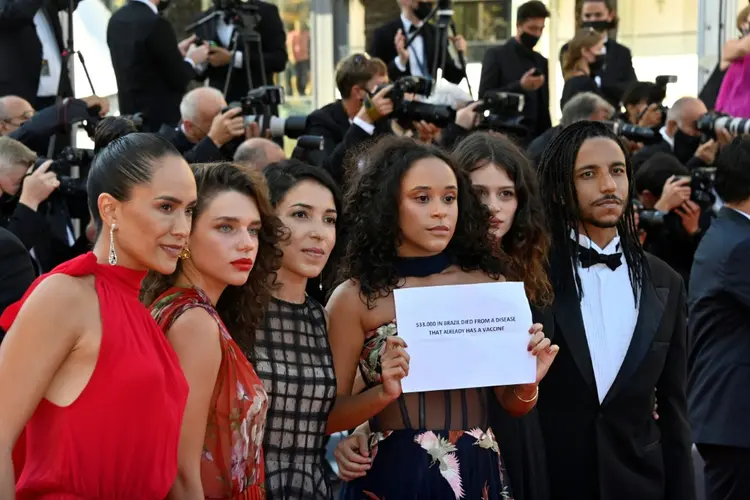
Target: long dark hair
(524, 249)
(240, 307)
(372, 208)
(560, 198)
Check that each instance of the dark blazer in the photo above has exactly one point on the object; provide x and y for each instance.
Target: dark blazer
(382, 47)
(21, 50)
(152, 75)
(662, 146)
(618, 71)
(719, 305)
(16, 270)
(273, 48)
(205, 151)
(331, 123)
(502, 69)
(616, 450)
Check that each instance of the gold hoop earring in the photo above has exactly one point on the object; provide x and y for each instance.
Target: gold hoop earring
(112, 252)
(184, 254)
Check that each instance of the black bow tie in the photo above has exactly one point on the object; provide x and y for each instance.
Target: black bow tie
(588, 257)
(412, 29)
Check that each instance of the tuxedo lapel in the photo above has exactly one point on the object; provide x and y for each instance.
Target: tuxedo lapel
(650, 312)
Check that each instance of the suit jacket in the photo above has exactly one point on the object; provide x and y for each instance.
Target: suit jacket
(502, 69)
(205, 151)
(330, 122)
(273, 48)
(151, 74)
(16, 270)
(616, 450)
(382, 47)
(21, 50)
(719, 305)
(662, 146)
(618, 71)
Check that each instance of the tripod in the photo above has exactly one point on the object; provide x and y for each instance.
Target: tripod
(244, 27)
(443, 11)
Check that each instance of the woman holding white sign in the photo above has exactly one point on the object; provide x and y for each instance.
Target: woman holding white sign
(415, 222)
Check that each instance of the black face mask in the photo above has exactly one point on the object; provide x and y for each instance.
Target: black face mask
(163, 5)
(528, 40)
(422, 10)
(598, 25)
(597, 66)
(685, 146)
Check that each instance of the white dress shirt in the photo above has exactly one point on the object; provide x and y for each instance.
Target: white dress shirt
(49, 81)
(597, 78)
(416, 52)
(225, 31)
(609, 313)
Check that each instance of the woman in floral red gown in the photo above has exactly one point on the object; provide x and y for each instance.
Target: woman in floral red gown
(209, 308)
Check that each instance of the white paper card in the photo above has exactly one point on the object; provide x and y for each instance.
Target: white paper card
(464, 336)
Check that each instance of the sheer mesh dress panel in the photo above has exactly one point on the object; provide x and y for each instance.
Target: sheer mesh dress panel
(293, 358)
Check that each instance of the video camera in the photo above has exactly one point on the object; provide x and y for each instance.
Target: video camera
(256, 108)
(632, 132)
(713, 121)
(406, 111)
(502, 112)
(63, 165)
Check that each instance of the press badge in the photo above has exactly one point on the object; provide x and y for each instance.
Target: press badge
(45, 68)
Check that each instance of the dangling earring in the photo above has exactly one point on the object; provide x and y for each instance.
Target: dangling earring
(112, 253)
(184, 254)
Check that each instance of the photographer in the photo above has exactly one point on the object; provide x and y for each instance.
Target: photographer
(672, 221)
(638, 108)
(357, 76)
(16, 270)
(257, 152)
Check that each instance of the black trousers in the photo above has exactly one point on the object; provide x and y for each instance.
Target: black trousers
(726, 472)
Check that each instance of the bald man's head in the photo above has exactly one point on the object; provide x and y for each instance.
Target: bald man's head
(14, 111)
(259, 152)
(198, 109)
(683, 115)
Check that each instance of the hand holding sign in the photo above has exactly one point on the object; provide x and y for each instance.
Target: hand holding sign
(541, 347)
(394, 365)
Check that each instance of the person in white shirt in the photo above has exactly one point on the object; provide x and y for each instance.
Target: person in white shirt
(620, 321)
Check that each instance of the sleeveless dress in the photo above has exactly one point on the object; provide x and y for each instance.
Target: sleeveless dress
(734, 94)
(419, 462)
(232, 458)
(119, 438)
(293, 358)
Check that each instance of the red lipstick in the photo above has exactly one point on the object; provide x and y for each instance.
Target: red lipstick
(243, 264)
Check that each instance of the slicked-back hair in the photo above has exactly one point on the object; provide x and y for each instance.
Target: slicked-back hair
(560, 198)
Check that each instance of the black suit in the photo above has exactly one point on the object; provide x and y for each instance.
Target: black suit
(331, 123)
(21, 50)
(273, 48)
(16, 270)
(152, 75)
(618, 71)
(662, 147)
(204, 151)
(720, 355)
(616, 450)
(502, 69)
(382, 47)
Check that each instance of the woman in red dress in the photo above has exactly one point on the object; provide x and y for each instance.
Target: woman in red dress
(93, 396)
(209, 309)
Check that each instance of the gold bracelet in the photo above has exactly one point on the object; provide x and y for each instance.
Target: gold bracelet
(536, 395)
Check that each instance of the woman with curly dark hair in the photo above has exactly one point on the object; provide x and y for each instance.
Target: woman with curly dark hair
(209, 309)
(416, 222)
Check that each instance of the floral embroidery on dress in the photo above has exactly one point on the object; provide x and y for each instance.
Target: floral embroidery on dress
(443, 453)
(369, 360)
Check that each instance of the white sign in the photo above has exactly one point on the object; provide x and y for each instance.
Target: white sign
(464, 336)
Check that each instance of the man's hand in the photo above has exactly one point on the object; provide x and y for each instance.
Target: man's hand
(724, 137)
(38, 186)
(400, 43)
(707, 151)
(219, 56)
(227, 126)
(198, 53)
(426, 132)
(676, 192)
(460, 43)
(531, 83)
(651, 118)
(690, 213)
(467, 117)
(103, 103)
(382, 105)
(184, 45)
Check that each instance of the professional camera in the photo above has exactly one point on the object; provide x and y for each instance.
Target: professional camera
(233, 5)
(406, 111)
(657, 96)
(256, 108)
(702, 187)
(63, 165)
(502, 112)
(713, 121)
(633, 132)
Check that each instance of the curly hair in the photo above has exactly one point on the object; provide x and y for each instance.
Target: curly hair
(372, 211)
(240, 307)
(525, 248)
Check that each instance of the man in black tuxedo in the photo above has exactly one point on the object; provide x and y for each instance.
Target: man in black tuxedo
(618, 72)
(31, 45)
(389, 45)
(719, 305)
(516, 67)
(151, 68)
(221, 30)
(620, 322)
(16, 270)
